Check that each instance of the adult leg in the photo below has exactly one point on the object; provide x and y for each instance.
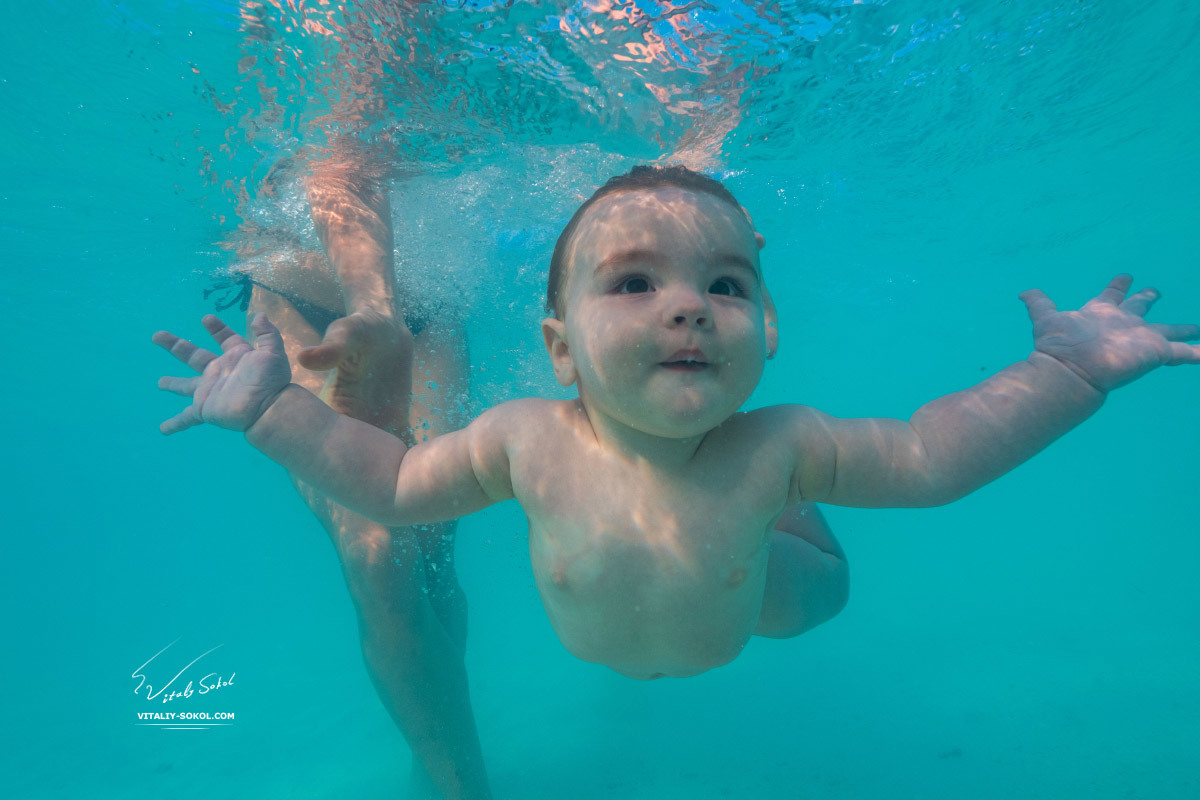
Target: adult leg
(414, 659)
(808, 580)
(440, 381)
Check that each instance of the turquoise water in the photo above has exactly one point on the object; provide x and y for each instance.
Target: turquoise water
(913, 167)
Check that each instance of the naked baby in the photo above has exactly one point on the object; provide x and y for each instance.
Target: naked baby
(652, 500)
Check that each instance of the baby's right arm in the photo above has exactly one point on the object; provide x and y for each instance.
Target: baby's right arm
(358, 465)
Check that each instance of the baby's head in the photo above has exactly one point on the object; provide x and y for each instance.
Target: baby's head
(659, 310)
(639, 178)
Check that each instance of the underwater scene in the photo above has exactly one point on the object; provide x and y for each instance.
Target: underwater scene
(183, 623)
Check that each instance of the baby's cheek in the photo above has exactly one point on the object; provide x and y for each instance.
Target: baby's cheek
(642, 353)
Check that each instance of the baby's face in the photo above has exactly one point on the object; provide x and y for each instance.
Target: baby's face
(664, 329)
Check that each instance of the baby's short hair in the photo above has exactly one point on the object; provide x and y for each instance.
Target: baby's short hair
(640, 177)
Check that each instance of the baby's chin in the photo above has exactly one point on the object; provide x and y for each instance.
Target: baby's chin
(674, 423)
(670, 414)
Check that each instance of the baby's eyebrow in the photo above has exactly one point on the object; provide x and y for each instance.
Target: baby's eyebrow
(735, 260)
(654, 258)
(624, 257)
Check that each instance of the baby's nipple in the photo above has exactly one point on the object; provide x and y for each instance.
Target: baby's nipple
(558, 573)
(737, 577)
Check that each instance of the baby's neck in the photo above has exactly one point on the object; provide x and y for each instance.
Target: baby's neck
(640, 446)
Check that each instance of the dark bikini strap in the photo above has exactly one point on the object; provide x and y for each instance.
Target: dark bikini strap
(236, 288)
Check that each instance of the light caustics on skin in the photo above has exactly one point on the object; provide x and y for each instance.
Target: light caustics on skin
(617, 350)
(698, 261)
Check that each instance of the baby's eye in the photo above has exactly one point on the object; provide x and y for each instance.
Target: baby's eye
(727, 286)
(634, 285)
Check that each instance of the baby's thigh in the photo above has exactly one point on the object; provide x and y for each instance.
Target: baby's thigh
(805, 587)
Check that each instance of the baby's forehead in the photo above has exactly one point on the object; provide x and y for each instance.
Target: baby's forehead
(662, 199)
(647, 213)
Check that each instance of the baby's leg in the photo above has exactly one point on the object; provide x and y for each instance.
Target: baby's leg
(412, 638)
(808, 580)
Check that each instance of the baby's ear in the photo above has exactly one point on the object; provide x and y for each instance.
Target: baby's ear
(758, 237)
(555, 334)
(772, 323)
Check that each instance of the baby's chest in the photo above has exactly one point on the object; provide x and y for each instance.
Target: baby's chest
(609, 525)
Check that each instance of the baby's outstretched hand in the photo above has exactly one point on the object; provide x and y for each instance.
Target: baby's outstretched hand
(233, 389)
(1108, 342)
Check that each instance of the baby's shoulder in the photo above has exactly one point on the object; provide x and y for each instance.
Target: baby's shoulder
(501, 440)
(797, 440)
(775, 423)
(530, 418)
(782, 435)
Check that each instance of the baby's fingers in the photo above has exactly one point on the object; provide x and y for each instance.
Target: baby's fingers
(1116, 290)
(195, 357)
(1177, 333)
(226, 336)
(188, 418)
(185, 387)
(1141, 302)
(1038, 304)
(266, 335)
(1181, 353)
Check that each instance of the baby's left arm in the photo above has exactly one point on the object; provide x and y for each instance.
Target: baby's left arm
(959, 442)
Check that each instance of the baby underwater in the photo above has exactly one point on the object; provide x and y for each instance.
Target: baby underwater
(659, 513)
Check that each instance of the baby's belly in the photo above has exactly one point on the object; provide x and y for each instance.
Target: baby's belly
(648, 616)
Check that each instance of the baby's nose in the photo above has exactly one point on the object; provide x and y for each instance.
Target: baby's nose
(688, 307)
(684, 319)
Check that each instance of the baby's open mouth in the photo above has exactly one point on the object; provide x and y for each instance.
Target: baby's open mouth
(686, 360)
